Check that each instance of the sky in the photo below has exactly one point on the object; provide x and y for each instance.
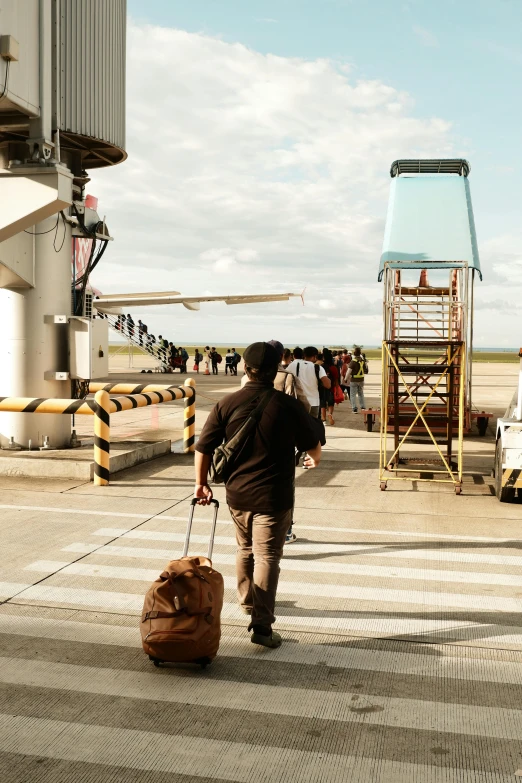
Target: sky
(260, 136)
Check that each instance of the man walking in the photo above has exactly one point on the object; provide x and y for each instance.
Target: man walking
(310, 375)
(260, 483)
(214, 360)
(235, 360)
(142, 330)
(229, 362)
(357, 369)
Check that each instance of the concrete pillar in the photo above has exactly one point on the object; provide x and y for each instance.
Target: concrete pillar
(30, 346)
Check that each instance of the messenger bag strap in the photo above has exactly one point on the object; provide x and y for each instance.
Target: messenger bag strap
(251, 422)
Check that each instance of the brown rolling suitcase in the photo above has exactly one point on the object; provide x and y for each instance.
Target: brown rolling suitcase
(181, 618)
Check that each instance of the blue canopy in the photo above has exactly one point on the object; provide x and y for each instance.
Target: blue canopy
(430, 219)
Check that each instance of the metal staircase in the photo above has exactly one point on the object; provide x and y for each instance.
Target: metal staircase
(135, 339)
(425, 400)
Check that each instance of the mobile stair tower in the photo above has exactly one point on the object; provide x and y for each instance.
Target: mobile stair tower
(428, 267)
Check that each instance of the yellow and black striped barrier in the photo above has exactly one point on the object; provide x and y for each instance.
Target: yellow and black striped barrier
(189, 432)
(102, 438)
(43, 405)
(135, 396)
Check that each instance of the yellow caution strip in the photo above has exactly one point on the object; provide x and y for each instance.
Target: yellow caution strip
(46, 405)
(512, 477)
(129, 388)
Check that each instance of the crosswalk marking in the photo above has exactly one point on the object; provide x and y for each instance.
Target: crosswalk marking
(494, 722)
(293, 563)
(8, 589)
(349, 592)
(405, 663)
(159, 515)
(392, 625)
(88, 512)
(384, 572)
(204, 757)
(336, 529)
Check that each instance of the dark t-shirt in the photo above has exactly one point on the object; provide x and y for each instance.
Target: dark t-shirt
(262, 479)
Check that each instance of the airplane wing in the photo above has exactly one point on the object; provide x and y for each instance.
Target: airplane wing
(105, 302)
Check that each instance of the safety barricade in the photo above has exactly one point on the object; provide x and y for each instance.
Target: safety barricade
(103, 405)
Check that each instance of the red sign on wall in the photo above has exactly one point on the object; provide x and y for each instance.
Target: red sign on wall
(82, 247)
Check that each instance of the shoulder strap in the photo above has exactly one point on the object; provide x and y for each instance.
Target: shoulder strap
(297, 369)
(260, 407)
(251, 422)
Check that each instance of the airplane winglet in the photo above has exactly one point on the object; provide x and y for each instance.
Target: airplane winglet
(302, 295)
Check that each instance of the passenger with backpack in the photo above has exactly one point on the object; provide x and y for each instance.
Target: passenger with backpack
(357, 369)
(235, 361)
(327, 397)
(198, 356)
(215, 358)
(229, 362)
(261, 428)
(311, 376)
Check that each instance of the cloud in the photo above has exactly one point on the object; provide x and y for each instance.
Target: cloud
(251, 173)
(266, 20)
(425, 36)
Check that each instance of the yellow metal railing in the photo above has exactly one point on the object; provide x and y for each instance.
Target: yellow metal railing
(104, 405)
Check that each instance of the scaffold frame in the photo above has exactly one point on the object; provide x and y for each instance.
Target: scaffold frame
(426, 374)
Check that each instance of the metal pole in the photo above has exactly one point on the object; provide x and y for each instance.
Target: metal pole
(189, 432)
(102, 438)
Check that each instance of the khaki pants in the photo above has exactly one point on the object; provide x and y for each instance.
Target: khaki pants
(260, 541)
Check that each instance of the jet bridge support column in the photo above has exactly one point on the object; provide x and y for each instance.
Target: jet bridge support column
(33, 348)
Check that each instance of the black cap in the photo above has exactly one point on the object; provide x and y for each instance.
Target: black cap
(278, 346)
(261, 356)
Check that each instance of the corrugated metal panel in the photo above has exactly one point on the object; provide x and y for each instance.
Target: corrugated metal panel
(91, 83)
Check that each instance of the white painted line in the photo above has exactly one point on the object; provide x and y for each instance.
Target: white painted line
(347, 592)
(157, 535)
(420, 715)
(363, 531)
(8, 589)
(347, 657)
(290, 562)
(133, 603)
(206, 758)
(78, 511)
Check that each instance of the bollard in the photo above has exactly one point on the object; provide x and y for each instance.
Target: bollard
(189, 431)
(102, 438)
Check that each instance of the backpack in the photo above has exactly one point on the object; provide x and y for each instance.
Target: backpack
(363, 369)
(224, 456)
(218, 358)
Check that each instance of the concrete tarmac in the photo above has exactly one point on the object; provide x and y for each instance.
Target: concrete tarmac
(400, 613)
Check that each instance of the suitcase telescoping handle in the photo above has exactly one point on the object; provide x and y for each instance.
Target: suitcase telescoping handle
(212, 530)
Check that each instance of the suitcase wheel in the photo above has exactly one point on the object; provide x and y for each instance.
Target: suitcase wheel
(155, 661)
(203, 662)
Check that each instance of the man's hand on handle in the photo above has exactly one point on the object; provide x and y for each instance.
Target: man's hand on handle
(203, 493)
(313, 457)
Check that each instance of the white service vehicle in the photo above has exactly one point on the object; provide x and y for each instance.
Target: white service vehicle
(508, 452)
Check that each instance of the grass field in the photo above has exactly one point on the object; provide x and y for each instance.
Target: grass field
(371, 353)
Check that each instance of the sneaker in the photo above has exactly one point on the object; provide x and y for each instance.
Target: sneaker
(291, 538)
(271, 639)
(355, 410)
